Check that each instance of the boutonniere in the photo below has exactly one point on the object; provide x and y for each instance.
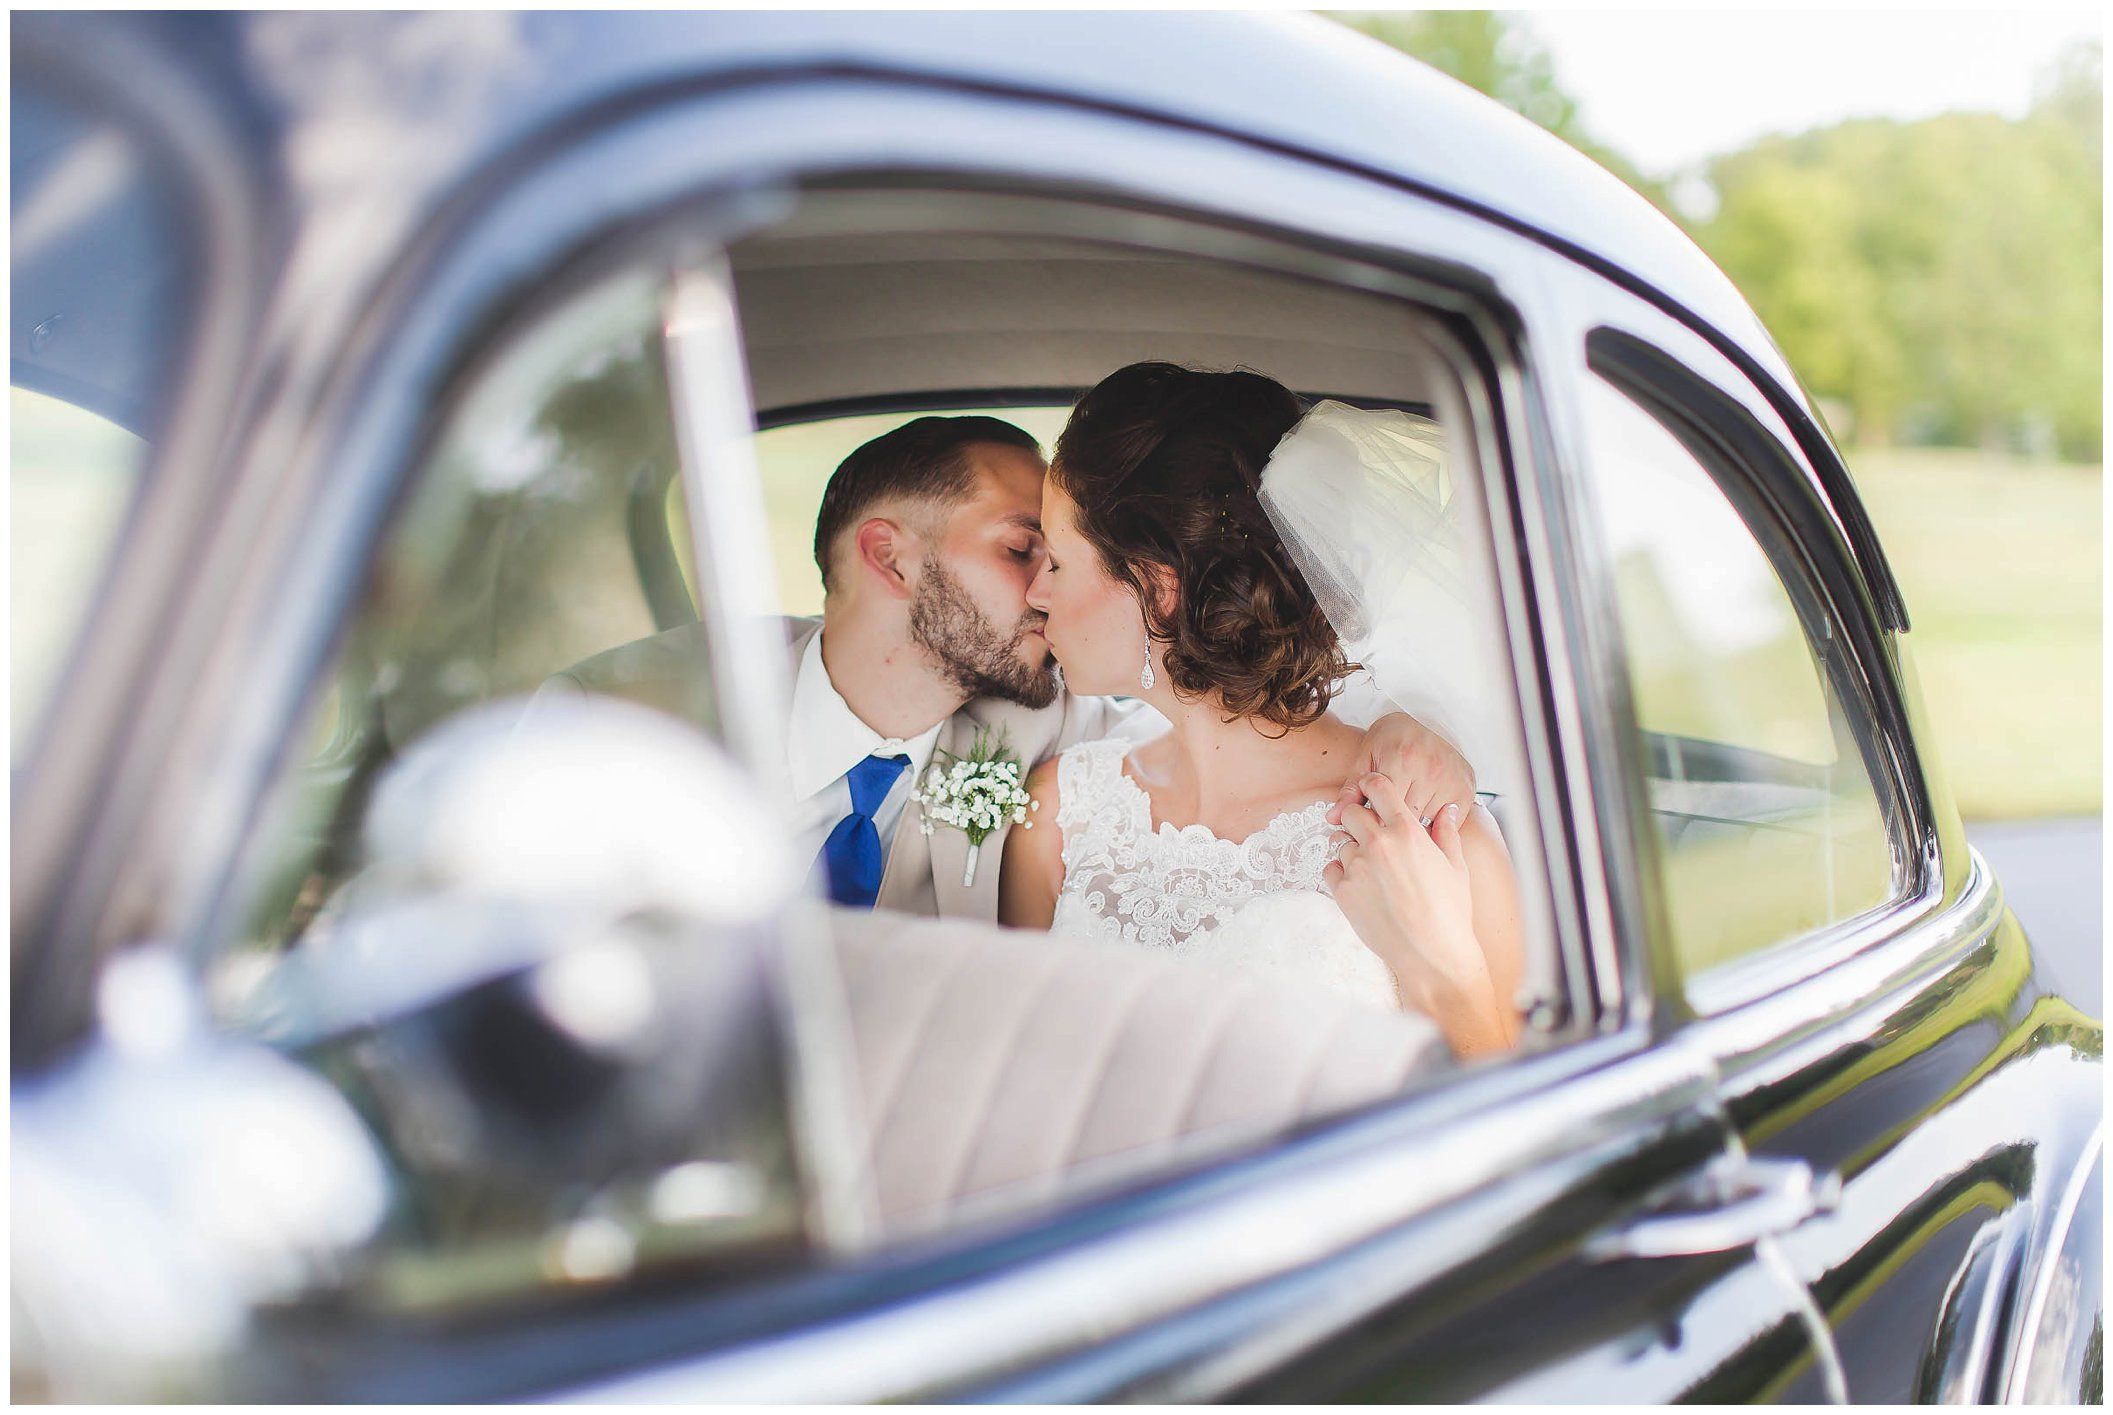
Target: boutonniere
(974, 794)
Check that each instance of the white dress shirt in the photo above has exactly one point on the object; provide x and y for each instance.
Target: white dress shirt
(827, 740)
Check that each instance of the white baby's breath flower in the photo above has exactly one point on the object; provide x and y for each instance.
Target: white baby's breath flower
(975, 794)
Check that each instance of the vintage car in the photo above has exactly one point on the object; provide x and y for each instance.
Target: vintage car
(376, 1037)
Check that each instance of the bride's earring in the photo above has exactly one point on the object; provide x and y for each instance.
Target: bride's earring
(1147, 678)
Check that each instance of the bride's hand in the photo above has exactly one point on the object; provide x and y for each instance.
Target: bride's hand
(1406, 891)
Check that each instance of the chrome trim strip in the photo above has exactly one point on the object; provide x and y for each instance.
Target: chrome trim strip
(1772, 1039)
(2027, 1332)
(730, 534)
(730, 544)
(1147, 1271)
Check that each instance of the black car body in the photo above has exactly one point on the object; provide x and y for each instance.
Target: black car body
(1863, 1164)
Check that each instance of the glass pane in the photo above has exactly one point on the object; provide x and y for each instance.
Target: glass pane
(573, 1065)
(1768, 825)
(536, 543)
(100, 271)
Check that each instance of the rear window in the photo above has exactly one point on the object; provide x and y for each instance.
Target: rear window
(796, 460)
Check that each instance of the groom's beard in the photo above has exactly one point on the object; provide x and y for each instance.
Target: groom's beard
(977, 656)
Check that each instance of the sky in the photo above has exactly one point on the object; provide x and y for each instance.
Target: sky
(1667, 88)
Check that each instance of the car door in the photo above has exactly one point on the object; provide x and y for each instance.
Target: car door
(1869, 1002)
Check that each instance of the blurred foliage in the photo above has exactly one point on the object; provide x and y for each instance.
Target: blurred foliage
(1938, 282)
(1490, 53)
(1941, 278)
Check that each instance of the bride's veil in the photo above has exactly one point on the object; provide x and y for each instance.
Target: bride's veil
(1366, 504)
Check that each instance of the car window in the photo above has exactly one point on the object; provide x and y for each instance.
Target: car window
(1767, 823)
(100, 269)
(1018, 1071)
(571, 1061)
(533, 557)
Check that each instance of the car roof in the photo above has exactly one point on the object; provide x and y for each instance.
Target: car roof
(358, 129)
(473, 84)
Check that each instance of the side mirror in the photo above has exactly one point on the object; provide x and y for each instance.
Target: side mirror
(537, 1044)
(554, 991)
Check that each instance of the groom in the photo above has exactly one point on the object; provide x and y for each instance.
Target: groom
(927, 539)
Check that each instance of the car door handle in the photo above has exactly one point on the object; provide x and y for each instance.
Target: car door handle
(1729, 1207)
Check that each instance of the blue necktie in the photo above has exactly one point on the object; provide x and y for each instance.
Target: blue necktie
(852, 852)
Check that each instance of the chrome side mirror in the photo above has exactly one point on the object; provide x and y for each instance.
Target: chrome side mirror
(553, 990)
(167, 1184)
(535, 1044)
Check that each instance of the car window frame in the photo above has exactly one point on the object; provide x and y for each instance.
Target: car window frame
(99, 734)
(1800, 534)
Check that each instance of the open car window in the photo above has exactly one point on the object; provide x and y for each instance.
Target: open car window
(1012, 1074)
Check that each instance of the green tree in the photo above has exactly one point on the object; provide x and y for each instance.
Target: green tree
(1939, 277)
(1492, 52)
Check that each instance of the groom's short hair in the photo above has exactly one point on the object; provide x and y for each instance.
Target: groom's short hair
(926, 459)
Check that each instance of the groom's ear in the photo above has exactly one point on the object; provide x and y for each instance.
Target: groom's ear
(886, 552)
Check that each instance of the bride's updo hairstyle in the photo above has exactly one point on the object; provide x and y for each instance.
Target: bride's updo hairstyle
(1163, 464)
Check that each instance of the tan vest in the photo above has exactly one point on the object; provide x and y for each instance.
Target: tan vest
(924, 873)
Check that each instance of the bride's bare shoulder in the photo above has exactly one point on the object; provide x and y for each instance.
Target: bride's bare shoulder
(1332, 745)
(1334, 734)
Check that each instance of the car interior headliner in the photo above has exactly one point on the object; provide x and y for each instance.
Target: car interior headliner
(834, 315)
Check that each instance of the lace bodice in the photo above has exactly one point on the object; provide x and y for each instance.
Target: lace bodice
(1257, 902)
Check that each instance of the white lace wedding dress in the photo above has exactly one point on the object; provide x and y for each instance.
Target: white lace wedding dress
(1255, 903)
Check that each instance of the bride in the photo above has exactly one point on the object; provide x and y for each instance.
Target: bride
(1224, 838)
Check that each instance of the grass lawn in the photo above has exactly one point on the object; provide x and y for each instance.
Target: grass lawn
(2001, 563)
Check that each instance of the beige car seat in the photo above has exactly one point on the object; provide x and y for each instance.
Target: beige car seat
(999, 1069)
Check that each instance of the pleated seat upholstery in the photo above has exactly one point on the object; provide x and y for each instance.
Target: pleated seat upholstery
(997, 1069)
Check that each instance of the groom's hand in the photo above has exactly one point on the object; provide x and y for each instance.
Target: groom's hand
(1430, 773)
